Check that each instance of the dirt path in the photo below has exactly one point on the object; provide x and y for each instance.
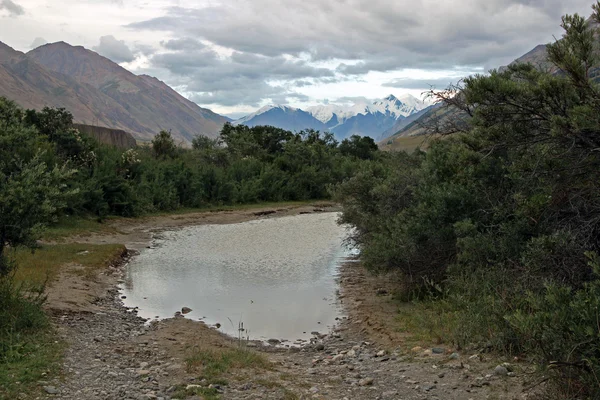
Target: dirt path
(112, 354)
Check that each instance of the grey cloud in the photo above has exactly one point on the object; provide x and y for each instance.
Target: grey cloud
(271, 45)
(140, 48)
(399, 34)
(37, 42)
(240, 78)
(14, 10)
(183, 44)
(114, 49)
(408, 83)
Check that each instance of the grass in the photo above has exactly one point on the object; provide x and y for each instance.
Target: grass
(70, 226)
(35, 358)
(214, 364)
(29, 352)
(45, 263)
(426, 322)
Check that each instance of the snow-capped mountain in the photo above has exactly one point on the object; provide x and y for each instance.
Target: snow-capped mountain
(284, 117)
(366, 119)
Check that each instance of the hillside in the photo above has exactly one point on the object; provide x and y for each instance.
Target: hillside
(99, 92)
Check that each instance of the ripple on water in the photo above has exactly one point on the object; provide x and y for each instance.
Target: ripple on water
(276, 275)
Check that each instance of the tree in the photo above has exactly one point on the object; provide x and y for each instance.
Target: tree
(163, 145)
(31, 192)
(362, 147)
(202, 142)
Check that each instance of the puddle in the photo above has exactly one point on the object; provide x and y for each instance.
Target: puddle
(275, 276)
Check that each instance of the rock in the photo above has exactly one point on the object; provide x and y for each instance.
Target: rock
(50, 390)
(313, 389)
(190, 387)
(143, 372)
(437, 350)
(428, 388)
(390, 394)
(320, 347)
(274, 341)
(381, 353)
(365, 382)
(186, 310)
(501, 370)
(416, 349)
(351, 353)
(454, 356)
(218, 388)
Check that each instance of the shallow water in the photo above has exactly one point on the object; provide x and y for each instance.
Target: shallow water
(277, 275)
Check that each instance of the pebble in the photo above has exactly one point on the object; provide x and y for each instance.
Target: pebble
(500, 370)
(365, 382)
(50, 390)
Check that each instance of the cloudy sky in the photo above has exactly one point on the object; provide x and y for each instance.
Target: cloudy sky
(236, 55)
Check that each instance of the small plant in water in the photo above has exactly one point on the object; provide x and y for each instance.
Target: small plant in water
(243, 334)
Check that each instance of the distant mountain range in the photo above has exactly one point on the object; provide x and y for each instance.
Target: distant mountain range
(99, 92)
(365, 119)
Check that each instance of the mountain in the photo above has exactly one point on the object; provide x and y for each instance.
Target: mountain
(403, 123)
(365, 119)
(33, 86)
(284, 117)
(99, 92)
(150, 104)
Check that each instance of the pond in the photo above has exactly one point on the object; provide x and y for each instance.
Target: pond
(277, 276)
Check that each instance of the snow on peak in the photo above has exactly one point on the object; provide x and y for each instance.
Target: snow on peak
(263, 110)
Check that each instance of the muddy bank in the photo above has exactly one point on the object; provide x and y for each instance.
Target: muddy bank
(113, 354)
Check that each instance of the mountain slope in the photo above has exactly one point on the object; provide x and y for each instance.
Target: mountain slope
(139, 104)
(32, 86)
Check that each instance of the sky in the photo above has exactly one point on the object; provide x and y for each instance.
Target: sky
(235, 56)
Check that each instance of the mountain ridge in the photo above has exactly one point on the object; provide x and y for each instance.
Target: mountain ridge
(362, 118)
(100, 92)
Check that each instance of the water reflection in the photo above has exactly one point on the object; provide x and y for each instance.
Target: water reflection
(277, 276)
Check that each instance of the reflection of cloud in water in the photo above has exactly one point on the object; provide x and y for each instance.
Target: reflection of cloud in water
(272, 274)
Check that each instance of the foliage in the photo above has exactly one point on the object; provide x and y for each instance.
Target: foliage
(500, 220)
(31, 192)
(164, 145)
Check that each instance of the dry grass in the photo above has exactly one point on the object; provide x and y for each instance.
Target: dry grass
(44, 264)
(214, 363)
(77, 226)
